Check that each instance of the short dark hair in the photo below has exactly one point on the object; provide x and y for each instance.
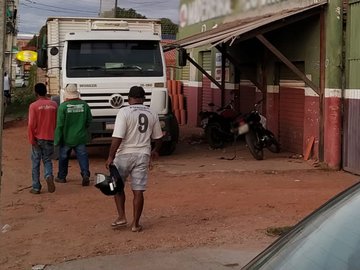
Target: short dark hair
(136, 92)
(40, 89)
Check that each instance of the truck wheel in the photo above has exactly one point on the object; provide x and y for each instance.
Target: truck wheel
(56, 99)
(167, 148)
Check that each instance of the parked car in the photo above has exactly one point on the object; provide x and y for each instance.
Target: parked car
(20, 81)
(327, 239)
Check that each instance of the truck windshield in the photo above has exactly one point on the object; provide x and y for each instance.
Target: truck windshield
(114, 58)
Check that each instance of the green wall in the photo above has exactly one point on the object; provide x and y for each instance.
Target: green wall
(298, 42)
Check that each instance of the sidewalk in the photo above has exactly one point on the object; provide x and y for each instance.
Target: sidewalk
(193, 155)
(194, 259)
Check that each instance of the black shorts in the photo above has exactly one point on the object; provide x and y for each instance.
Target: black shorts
(7, 93)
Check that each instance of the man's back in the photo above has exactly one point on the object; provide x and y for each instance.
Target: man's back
(74, 117)
(136, 125)
(42, 119)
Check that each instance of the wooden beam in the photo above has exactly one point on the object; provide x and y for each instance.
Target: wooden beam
(288, 63)
(203, 71)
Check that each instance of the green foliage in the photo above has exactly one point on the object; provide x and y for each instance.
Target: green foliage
(37, 41)
(128, 13)
(33, 41)
(24, 96)
(167, 26)
(21, 98)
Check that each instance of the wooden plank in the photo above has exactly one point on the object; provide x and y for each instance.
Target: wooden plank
(308, 148)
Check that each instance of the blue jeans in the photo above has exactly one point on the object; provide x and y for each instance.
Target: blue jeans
(81, 155)
(42, 151)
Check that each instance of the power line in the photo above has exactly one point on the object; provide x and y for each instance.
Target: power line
(142, 4)
(56, 7)
(57, 10)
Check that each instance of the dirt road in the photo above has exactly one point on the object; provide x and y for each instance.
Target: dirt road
(194, 199)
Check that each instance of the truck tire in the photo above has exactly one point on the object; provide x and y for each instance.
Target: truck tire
(168, 147)
(56, 99)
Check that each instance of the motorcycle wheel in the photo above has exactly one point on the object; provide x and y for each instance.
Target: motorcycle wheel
(213, 135)
(273, 145)
(253, 143)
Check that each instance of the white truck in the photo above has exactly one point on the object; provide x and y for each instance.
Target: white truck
(105, 57)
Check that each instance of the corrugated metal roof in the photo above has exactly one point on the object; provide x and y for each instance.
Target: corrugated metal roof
(170, 56)
(234, 29)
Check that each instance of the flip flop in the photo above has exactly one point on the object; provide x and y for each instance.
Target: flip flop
(119, 223)
(137, 229)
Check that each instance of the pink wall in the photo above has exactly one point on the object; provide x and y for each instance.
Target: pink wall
(193, 104)
(311, 124)
(272, 113)
(332, 132)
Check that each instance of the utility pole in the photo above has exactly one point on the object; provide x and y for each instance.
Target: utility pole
(115, 9)
(2, 53)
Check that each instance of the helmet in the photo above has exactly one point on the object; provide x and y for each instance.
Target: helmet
(109, 185)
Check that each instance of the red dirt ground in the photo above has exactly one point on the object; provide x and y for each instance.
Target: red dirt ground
(194, 209)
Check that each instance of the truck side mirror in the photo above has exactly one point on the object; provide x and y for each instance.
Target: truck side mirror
(41, 61)
(182, 57)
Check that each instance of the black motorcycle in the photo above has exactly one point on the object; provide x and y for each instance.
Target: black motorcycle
(220, 126)
(257, 137)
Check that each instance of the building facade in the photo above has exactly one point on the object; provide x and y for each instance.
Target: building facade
(11, 24)
(299, 56)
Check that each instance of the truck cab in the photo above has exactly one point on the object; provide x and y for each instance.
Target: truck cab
(105, 61)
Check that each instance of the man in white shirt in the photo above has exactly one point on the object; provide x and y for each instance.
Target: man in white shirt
(130, 151)
(7, 94)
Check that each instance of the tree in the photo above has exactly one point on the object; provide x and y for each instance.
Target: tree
(168, 27)
(37, 40)
(128, 13)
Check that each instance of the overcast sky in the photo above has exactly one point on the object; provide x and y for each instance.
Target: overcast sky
(33, 13)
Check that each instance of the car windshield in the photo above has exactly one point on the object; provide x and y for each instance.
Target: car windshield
(328, 239)
(114, 58)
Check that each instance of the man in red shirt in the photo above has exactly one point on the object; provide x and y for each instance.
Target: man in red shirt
(41, 128)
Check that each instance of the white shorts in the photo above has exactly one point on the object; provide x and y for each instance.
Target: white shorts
(136, 165)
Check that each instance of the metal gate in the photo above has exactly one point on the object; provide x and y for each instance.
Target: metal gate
(291, 118)
(351, 140)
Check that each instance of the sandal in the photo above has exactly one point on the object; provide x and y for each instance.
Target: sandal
(137, 229)
(119, 223)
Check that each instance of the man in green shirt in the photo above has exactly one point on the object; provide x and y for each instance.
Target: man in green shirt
(73, 119)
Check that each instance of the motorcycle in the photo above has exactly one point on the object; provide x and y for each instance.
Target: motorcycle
(257, 137)
(220, 126)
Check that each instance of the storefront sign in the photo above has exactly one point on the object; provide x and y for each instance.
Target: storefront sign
(198, 11)
(26, 56)
(202, 10)
(218, 60)
(218, 74)
(258, 4)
